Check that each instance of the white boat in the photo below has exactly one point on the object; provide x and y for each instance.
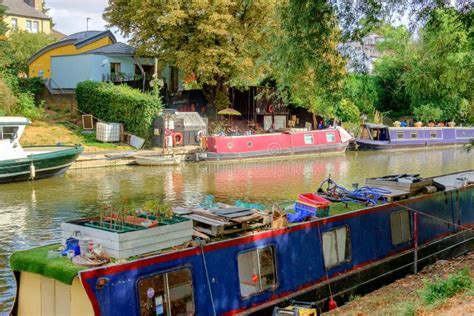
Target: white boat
(29, 163)
(167, 160)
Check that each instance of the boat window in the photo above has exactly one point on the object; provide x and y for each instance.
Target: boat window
(308, 139)
(400, 227)
(433, 134)
(375, 134)
(9, 132)
(167, 294)
(336, 246)
(330, 137)
(256, 271)
(414, 134)
(400, 135)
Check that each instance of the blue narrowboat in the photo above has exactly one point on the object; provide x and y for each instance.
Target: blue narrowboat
(312, 261)
(373, 136)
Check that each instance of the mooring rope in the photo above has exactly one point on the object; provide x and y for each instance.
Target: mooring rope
(434, 217)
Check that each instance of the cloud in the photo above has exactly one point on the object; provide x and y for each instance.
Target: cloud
(71, 16)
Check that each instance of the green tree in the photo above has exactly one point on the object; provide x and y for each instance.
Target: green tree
(307, 65)
(363, 91)
(23, 45)
(4, 47)
(435, 68)
(216, 41)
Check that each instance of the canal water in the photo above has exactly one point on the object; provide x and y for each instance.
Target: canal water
(31, 213)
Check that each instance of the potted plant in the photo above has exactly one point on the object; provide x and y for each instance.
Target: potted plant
(397, 124)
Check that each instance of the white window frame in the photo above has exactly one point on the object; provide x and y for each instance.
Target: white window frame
(330, 137)
(14, 23)
(308, 139)
(35, 27)
(261, 288)
(29, 25)
(400, 227)
(336, 245)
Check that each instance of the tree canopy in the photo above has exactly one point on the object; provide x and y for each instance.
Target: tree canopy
(295, 44)
(433, 72)
(215, 41)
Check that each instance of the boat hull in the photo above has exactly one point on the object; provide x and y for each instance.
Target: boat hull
(374, 257)
(274, 145)
(405, 137)
(48, 161)
(157, 161)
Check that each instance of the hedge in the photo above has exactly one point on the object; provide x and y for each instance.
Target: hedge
(121, 104)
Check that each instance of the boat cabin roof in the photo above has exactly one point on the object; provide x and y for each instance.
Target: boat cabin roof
(13, 120)
(370, 125)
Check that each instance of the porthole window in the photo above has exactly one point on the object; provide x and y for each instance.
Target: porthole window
(414, 134)
(230, 145)
(400, 135)
(249, 144)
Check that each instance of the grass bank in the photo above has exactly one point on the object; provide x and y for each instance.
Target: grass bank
(444, 288)
(56, 127)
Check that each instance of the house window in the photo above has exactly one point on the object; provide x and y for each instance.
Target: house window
(14, 24)
(35, 27)
(167, 294)
(400, 135)
(336, 246)
(330, 137)
(308, 139)
(115, 70)
(400, 227)
(256, 271)
(28, 25)
(414, 135)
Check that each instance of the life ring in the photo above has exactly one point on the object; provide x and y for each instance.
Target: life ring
(270, 108)
(199, 136)
(177, 139)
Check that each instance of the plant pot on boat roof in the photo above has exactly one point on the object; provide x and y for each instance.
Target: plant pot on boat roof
(418, 124)
(397, 124)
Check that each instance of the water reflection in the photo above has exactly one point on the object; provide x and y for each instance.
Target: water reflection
(31, 213)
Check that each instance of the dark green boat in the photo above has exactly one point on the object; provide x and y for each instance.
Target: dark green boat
(30, 163)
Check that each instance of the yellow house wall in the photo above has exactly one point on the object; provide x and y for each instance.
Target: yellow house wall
(43, 62)
(44, 26)
(41, 296)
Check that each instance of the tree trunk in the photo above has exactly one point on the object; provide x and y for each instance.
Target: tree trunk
(217, 95)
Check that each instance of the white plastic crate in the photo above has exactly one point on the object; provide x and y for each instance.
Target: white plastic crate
(108, 132)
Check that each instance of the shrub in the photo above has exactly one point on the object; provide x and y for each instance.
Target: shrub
(122, 104)
(14, 102)
(347, 111)
(427, 113)
(442, 289)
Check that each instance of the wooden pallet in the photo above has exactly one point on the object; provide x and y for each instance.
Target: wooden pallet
(216, 225)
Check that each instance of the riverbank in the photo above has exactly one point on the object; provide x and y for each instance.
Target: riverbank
(56, 127)
(404, 296)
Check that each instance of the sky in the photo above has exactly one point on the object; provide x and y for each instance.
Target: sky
(70, 16)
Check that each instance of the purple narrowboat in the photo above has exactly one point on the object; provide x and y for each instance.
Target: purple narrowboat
(335, 256)
(380, 137)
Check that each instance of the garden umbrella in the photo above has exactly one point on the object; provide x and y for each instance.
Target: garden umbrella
(229, 112)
